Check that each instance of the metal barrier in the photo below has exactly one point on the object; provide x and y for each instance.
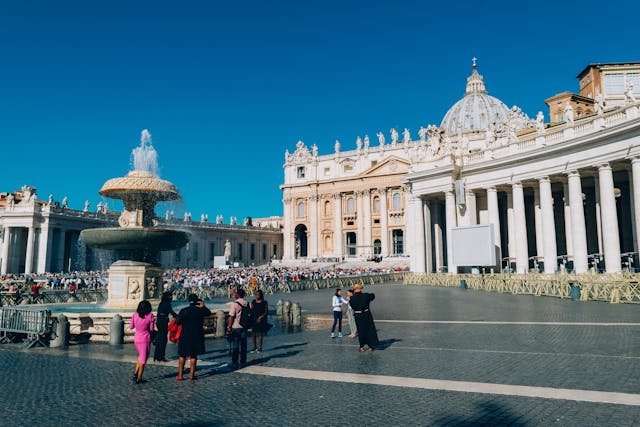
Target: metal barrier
(619, 288)
(17, 321)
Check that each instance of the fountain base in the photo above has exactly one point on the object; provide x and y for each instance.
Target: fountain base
(131, 282)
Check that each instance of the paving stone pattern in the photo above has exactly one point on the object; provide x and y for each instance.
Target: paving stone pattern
(79, 387)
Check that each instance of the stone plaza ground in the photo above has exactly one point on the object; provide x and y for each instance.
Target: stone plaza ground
(449, 357)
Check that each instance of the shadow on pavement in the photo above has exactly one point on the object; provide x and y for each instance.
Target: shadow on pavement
(488, 413)
(385, 344)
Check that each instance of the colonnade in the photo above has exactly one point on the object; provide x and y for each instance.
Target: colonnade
(541, 222)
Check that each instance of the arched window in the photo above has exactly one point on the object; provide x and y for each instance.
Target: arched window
(351, 205)
(395, 201)
(301, 208)
(327, 208)
(376, 204)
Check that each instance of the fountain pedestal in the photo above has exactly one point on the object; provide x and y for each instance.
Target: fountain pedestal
(131, 282)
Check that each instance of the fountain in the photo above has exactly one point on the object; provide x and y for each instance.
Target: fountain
(138, 241)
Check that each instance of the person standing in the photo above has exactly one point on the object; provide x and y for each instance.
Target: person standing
(191, 342)
(162, 323)
(237, 332)
(367, 335)
(352, 321)
(260, 310)
(337, 302)
(142, 324)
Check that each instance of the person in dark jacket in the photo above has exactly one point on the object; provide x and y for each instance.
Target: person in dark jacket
(162, 321)
(260, 309)
(367, 334)
(191, 342)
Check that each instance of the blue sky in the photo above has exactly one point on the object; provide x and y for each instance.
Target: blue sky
(226, 87)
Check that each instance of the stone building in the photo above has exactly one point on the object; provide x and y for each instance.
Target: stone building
(561, 194)
(43, 236)
(349, 204)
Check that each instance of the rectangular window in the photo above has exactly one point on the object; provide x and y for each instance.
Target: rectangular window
(301, 171)
(376, 221)
(348, 167)
(327, 171)
(253, 251)
(373, 163)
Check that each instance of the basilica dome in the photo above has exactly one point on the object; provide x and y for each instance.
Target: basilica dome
(476, 110)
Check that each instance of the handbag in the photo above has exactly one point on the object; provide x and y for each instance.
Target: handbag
(174, 330)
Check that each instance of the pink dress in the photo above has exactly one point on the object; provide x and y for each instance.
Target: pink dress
(142, 338)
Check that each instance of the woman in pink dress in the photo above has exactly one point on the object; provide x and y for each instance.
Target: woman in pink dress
(142, 323)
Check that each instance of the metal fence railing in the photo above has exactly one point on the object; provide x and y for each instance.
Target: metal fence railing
(35, 323)
(613, 288)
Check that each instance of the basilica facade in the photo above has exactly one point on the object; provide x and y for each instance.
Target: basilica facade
(561, 193)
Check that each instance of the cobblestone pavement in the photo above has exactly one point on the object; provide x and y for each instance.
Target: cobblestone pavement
(90, 384)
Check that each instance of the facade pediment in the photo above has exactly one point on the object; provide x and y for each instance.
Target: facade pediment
(389, 166)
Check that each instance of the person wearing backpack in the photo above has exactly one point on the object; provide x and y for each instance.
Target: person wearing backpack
(240, 320)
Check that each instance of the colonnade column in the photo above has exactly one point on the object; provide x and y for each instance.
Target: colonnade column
(416, 235)
(338, 250)
(451, 218)
(578, 228)
(635, 172)
(568, 228)
(596, 185)
(28, 263)
(494, 218)
(438, 243)
(471, 211)
(367, 223)
(5, 250)
(312, 250)
(537, 217)
(548, 226)
(428, 259)
(610, 238)
(522, 248)
(511, 229)
(44, 249)
(384, 223)
(632, 206)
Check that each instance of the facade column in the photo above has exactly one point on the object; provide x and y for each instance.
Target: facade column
(287, 231)
(596, 186)
(415, 226)
(5, 250)
(428, 238)
(44, 249)
(359, 222)
(522, 248)
(548, 226)
(451, 218)
(568, 228)
(494, 218)
(438, 243)
(635, 172)
(312, 250)
(610, 237)
(384, 223)
(338, 250)
(537, 210)
(578, 228)
(632, 206)
(28, 263)
(366, 241)
(511, 229)
(471, 209)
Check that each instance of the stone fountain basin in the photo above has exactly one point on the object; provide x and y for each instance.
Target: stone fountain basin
(117, 238)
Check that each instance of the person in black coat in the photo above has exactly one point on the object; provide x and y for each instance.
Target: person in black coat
(191, 342)
(162, 322)
(367, 334)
